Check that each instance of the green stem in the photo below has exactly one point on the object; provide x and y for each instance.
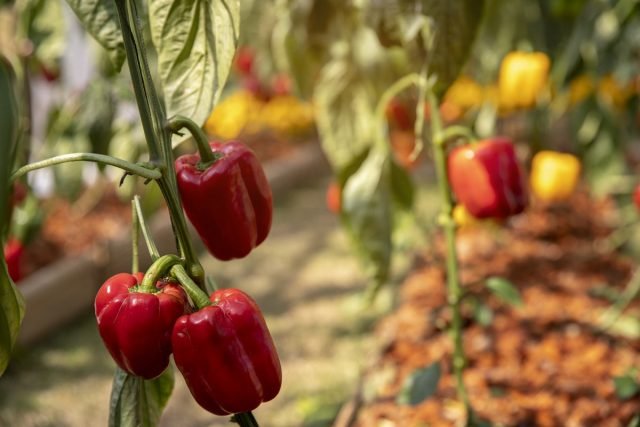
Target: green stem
(151, 246)
(609, 317)
(245, 419)
(457, 131)
(199, 298)
(129, 167)
(158, 270)
(454, 291)
(202, 142)
(135, 228)
(158, 138)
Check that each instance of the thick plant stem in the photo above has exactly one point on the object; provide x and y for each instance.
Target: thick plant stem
(245, 419)
(158, 138)
(454, 290)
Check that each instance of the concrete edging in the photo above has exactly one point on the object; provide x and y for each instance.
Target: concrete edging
(71, 283)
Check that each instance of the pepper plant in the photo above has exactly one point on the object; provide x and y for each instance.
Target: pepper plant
(220, 342)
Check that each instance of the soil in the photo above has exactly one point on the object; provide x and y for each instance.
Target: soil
(545, 363)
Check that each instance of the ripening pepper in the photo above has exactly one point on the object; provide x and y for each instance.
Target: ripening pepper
(228, 202)
(13, 251)
(636, 197)
(333, 197)
(136, 326)
(554, 176)
(522, 78)
(486, 177)
(226, 354)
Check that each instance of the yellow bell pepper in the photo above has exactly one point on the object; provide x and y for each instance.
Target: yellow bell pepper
(613, 92)
(234, 115)
(464, 93)
(462, 217)
(554, 176)
(522, 79)
(580, 88)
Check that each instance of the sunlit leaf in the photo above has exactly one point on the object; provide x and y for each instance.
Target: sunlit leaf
(196, 41)
(100, 19)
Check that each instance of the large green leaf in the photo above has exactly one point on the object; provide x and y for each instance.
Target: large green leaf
(368, 215)
(420, 385)
(196, 41)
(344, 114)
(100, 19)
(136, 402)
(408, 23)
(11, 303)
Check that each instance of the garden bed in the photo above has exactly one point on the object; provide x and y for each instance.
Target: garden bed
(545, 363)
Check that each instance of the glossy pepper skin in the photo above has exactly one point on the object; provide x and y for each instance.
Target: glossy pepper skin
(13, 251)
(554, 175)
(135, 326)
(226, 354)
(229, 203)
(487, 178)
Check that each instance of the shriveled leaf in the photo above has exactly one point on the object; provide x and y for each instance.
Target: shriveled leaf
(505, 290)
(46, 29)
(420, 385)
(11, 302)
(100, 19)
(136, 402)
(196, 41)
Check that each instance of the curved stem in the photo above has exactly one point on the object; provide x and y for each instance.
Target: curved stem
(158, 269)
(454, 291)
(456, 131)
(129, 167)
(199, 298)
(397, 87)
(151, 246)
(202, 142)
(135, 234)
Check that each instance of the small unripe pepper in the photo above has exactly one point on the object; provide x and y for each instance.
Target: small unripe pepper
(554, 176)
(228, 201)
(487, 178)
(226, 354)
(522, 78)
(136, 326)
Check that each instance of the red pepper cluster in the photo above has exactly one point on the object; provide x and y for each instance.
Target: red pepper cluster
(487, 178)
(224, 351)
(222, 348)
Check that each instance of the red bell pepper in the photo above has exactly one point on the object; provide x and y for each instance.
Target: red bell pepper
(486, 177)
(136, 326)
(636, 197)
(226, 354)
(228, 202)
(13, 251)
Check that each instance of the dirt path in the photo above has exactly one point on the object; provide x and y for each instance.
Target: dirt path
(307, 283)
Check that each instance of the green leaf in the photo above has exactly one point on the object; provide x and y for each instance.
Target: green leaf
(626, 386)
(136, 402)
(420, 385)
(46, 30)
(483, 314)
(344, 113)
(367, 215)
(100, 19)
(11, 302)
(402, 186)
(505, 290)
(196, 41)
